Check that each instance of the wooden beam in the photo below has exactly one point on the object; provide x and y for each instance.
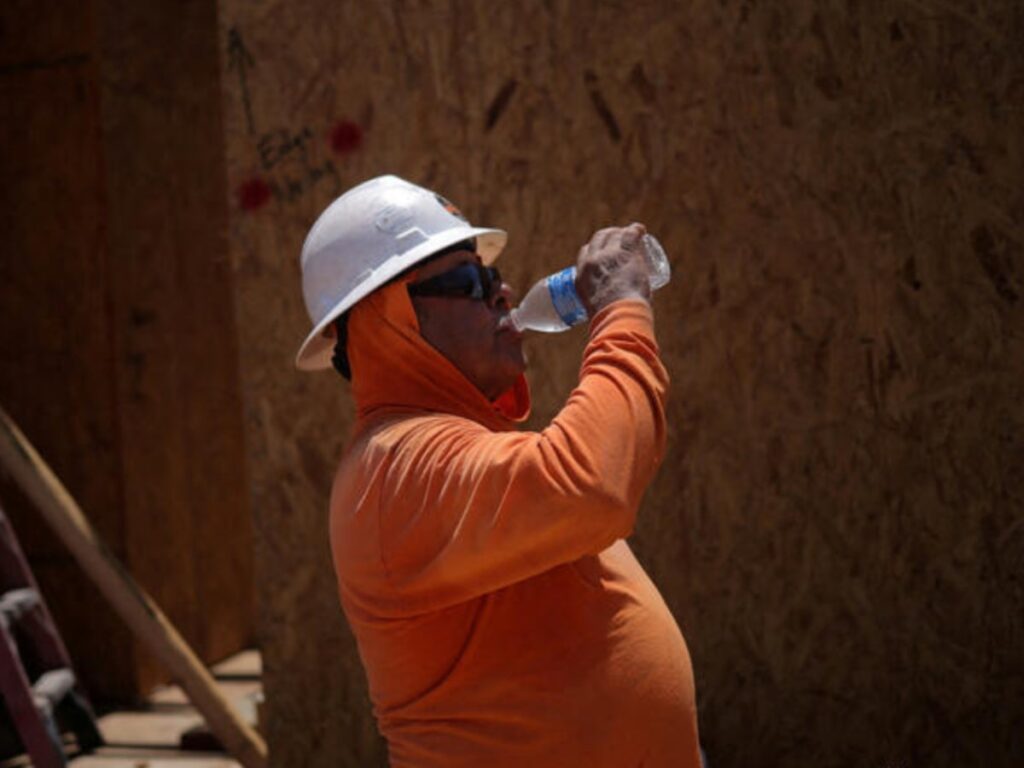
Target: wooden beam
(128, 599)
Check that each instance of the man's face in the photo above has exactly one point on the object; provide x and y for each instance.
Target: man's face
(471, 332)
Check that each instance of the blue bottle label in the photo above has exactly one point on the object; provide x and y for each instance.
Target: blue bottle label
(562, 287)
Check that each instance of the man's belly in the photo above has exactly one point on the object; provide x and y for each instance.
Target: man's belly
(581, 665)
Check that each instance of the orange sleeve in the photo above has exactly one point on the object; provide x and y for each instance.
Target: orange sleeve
(465, 511)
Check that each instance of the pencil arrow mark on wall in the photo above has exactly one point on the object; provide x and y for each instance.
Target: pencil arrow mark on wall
(240, 59)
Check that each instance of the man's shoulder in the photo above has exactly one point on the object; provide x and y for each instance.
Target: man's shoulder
(400, 431)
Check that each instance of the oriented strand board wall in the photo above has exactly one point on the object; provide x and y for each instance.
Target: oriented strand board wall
(838, 527)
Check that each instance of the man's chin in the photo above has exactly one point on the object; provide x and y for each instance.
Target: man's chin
(511, 371)
(509, 352)
(519, 361)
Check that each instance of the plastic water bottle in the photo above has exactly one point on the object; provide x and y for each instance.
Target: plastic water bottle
(552, 304)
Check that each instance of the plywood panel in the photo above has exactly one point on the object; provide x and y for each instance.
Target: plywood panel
(118, 336)
(55, 332)
(837, 527)
(188, 533)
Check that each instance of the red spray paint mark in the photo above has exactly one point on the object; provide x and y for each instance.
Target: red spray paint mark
(253, 194)
(346, 137)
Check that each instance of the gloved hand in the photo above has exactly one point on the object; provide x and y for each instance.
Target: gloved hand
(612, 267)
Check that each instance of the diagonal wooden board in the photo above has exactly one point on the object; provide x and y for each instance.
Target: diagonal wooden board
(128, 599)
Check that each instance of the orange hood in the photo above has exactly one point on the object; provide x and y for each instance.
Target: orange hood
(395, 369)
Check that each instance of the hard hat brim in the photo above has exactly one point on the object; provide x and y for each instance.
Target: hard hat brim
(315, 352)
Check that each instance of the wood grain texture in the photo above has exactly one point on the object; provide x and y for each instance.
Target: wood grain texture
(838, 525)
(118, 335)
(58, 353)
(177, 366)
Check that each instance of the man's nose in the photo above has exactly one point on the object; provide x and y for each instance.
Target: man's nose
(503, 297)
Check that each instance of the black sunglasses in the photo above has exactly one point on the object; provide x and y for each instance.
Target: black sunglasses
(470, 281)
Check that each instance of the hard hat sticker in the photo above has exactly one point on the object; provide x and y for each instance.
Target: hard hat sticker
(449, 206)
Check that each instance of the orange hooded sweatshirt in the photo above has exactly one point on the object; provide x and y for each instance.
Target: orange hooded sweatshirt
(500, 616)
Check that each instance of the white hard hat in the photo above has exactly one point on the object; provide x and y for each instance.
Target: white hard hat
(366, 237)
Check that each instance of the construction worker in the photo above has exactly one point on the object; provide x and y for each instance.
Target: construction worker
(501, 618)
